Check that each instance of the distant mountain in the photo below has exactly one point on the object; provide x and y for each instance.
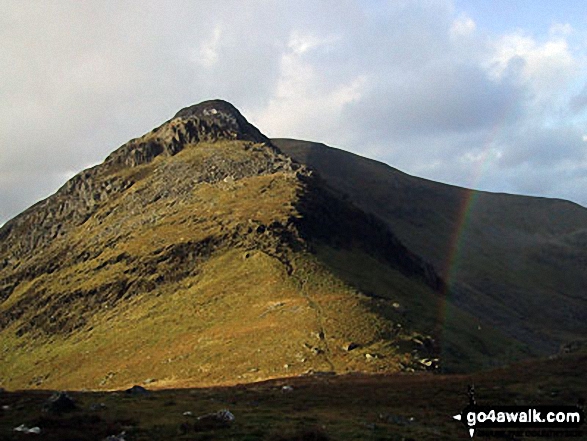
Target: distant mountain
(202, 253)
(516, 262)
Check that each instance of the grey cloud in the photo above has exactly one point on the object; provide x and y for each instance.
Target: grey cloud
(440, 99)
(578, 103)
(544, 147)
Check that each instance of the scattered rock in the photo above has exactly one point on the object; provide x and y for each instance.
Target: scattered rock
(573, 346)
(24, 429)
(417, 341)
(119, 437)
(370, 426)
(319, 335)
(188, 413)
(149, 381)
(225, 415)
(97, 406)
(287, 389)
(221, 419)
(59, 402)
(396, 419)
(429, 363)
(350, 346)
(137, 390)
(109, 375)
(370, 356)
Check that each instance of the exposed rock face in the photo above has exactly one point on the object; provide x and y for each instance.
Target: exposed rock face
(209, 121)
(225, 117)
(80, 197)
(55, 216)
(90, 194)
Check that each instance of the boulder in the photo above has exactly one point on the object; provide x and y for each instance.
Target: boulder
(137, 390)
(24, 429)
(59, 402)
(218, 420)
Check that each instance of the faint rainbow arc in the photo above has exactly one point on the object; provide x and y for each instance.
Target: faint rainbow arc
(463, 217)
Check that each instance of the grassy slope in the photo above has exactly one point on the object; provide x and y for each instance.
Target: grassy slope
(187, 282)
(231, 313)
(244, 307)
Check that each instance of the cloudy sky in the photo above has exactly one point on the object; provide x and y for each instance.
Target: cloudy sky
(489, 94)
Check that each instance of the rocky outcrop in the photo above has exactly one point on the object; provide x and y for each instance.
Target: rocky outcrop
(210, 121)
(224, 116)
(53, 217)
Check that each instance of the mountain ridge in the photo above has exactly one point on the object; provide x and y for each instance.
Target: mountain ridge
(209, 250)
(519, 256)
(104, 268)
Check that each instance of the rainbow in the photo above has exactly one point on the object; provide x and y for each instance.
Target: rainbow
(450, 270)
(464, 214)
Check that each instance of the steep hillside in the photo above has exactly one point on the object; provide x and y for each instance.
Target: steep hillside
(200, 254)
(517, 262)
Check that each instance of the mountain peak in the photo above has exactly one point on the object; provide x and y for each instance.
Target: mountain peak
(223, 115)
(210, 108)
(208, 121)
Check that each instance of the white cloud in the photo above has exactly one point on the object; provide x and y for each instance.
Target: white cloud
(560, 29)
(462, 26)
(300, 43)
(207, 55)
(544, 66)
(304, 104)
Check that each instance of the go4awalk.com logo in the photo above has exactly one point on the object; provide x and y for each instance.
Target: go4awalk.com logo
(537, 420)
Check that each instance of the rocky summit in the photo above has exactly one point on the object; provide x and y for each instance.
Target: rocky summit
(201, 253)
